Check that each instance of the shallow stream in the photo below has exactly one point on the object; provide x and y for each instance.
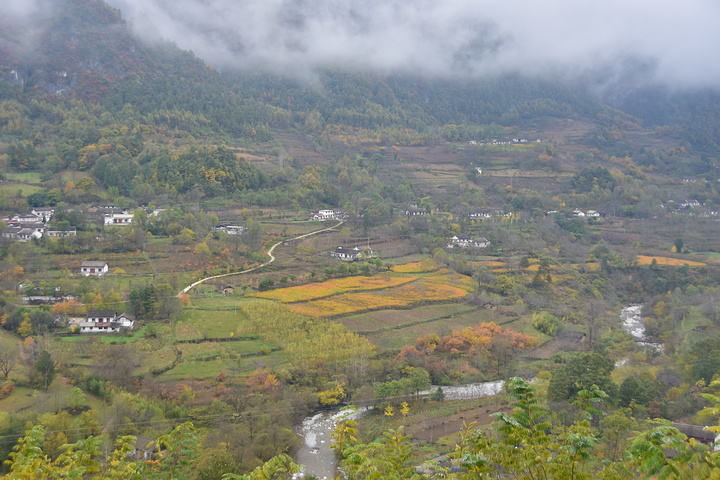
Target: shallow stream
(316, 431)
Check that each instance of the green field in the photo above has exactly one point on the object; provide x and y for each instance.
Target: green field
(216, 301)
(12, 188)
(25, 176)
(202, 324)
(385, 320)
(202, 350)
(394, 329)
(209, 369)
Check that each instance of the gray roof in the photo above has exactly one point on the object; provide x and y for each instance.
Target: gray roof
(93, 264)
(100, 313)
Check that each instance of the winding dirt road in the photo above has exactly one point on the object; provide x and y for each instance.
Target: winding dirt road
(269, 252)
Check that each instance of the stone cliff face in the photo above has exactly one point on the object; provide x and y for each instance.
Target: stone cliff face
(80, 48)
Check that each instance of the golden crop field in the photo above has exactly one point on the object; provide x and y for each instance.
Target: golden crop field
(448, 277)
(424, 266)
(422, 290)
(314, 291)
(668, 261)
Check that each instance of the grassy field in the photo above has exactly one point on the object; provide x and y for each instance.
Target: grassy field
(215, 301)
(12, 188)
(192, 351)
(204, 324)
(383, 319)
(25, 176)
(197, 369)
(156, 359)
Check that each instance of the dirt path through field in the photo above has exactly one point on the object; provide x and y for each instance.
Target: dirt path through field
(270, 254)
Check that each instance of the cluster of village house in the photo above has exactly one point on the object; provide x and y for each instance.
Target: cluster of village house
(590, 213)
(34, 224)
(691, 206)
(500, 142)
(95, 321)
(24, 227)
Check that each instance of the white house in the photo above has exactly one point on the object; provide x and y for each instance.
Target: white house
(415, 212)
(323, 215)
(350, 254)
(578, 213)
(44, 213)
(466, 241)
(485, 213)
(55, 233)
(105, 321)
(118, 219)
(22, 233)
(345, 253)
(233, 229)
(28, 217)
(88, 268)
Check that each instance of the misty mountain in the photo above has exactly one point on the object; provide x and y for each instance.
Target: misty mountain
(85, 49)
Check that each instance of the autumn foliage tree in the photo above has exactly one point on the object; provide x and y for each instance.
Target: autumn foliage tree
(479, 343)
(477, 339)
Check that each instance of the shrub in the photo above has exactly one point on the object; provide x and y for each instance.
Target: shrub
(7, 389)
(266, 283)
(547, 323)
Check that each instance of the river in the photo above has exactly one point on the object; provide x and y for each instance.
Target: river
(319, 459)
(634, 323)
(315, 453)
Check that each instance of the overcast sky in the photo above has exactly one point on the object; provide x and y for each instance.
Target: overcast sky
(669, 42)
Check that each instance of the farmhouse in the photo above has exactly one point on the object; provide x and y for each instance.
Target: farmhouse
(44, 213)
(323, 215)
(21, 233)
(227, 289)
(484, 213)
(590, 213)
(88, 268)
(345, 253)
(231, 229)
(55, 233)
(105, 321)
(700, 434)
(466, 241)
(144, 448)
(415, 212)
(121, 219)
(351, 254)
(28, 217)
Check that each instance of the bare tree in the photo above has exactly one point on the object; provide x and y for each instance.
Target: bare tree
(117, 364)
(9, 355)
(594, 311)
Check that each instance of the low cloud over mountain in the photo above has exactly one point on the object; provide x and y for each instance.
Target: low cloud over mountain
(647, 41)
